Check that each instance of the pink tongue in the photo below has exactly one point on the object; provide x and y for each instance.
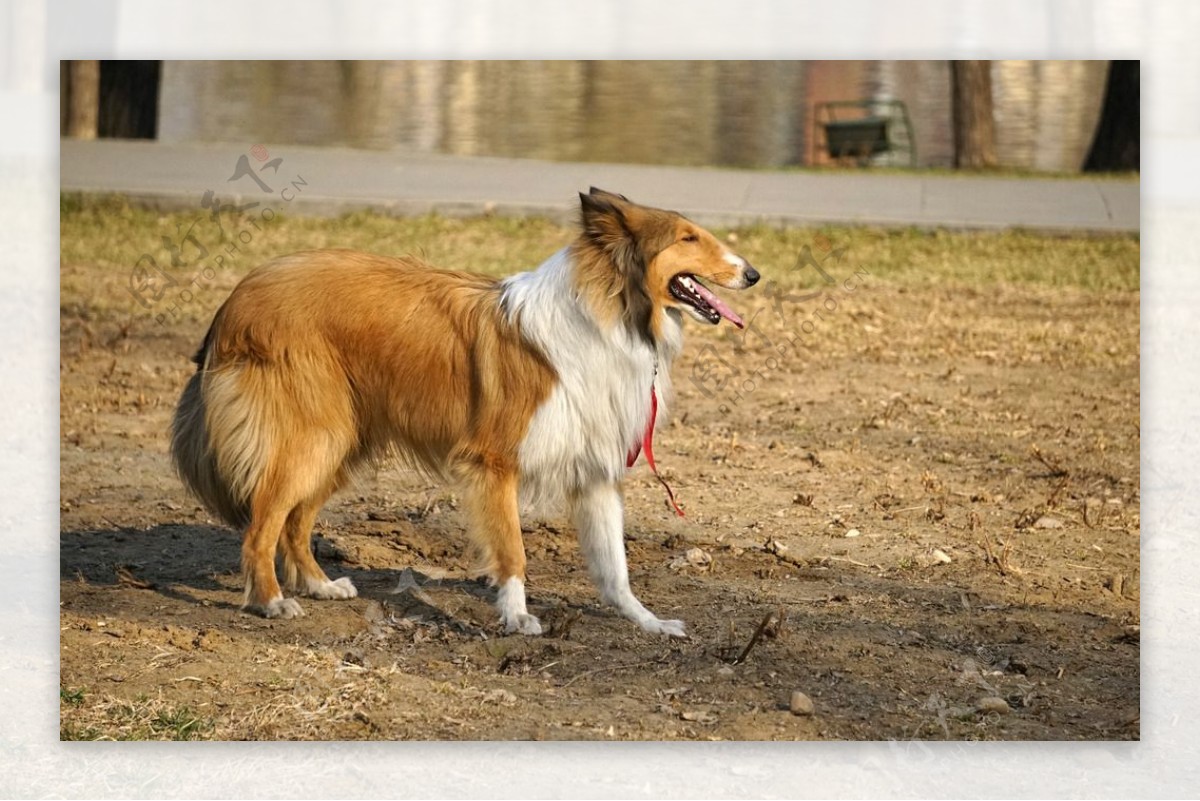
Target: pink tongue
(712, 300)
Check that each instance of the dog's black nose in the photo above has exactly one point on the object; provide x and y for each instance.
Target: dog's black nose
(752, 275)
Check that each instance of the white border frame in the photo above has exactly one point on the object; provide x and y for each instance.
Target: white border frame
(34, 35)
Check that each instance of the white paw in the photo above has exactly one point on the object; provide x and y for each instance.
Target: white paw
(284, 608)
(338, 590)
(522, 624)
(671, 628)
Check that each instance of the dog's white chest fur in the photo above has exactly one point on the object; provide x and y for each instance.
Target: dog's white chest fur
(582, 434)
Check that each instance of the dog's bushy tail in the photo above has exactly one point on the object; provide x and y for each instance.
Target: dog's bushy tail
(220, 456)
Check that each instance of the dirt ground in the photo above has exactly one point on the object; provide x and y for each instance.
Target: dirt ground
(927, 501)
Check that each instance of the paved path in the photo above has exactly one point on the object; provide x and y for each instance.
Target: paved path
(338, 180)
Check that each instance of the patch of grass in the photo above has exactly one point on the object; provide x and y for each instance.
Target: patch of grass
(69, 732)
(103, 237)
(1023, 173)
(70, 697)
(143, 718)
(178, 724)
(924, 258)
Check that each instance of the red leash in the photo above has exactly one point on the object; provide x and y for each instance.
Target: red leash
(647, 444)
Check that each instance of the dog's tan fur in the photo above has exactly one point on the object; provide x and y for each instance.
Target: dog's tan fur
(323, 362)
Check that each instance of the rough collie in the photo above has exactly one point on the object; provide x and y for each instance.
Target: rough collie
(538, 388)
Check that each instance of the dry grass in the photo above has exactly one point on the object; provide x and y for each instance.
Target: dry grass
(144, 718)
(103, 237)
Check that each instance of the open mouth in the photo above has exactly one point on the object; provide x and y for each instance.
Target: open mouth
(688, 289)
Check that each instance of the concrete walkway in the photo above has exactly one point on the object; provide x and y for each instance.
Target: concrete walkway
(338, 180)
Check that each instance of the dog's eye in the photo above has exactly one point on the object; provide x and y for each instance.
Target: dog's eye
(690, 238)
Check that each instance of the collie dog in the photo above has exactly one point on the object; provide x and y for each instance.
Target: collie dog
(538, 388)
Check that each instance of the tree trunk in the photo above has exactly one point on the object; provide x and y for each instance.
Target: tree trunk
(362, 88)
(974, 124)
(84, 85)
(129, 99)
(1117, 144)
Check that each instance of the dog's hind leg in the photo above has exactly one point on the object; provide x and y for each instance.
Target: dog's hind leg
(263, 595)
(599, 516)
(283, 507)
(495, 527)
(301, 573)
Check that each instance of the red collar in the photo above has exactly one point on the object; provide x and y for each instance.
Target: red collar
(647, 445)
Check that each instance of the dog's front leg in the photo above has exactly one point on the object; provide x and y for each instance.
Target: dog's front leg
(599, 516)
(494, 524)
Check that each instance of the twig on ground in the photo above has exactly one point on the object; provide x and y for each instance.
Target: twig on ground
(1053, 465)
(854, 562)
(771, 619)
(594, 671)
(1001, 560)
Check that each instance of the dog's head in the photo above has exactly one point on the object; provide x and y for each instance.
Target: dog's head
(643, 262)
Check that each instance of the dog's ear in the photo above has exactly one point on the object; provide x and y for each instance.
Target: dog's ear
(610, 223)
(604, 221)
(605, 193)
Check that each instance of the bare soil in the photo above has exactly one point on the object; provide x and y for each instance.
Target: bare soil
(929, 499)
